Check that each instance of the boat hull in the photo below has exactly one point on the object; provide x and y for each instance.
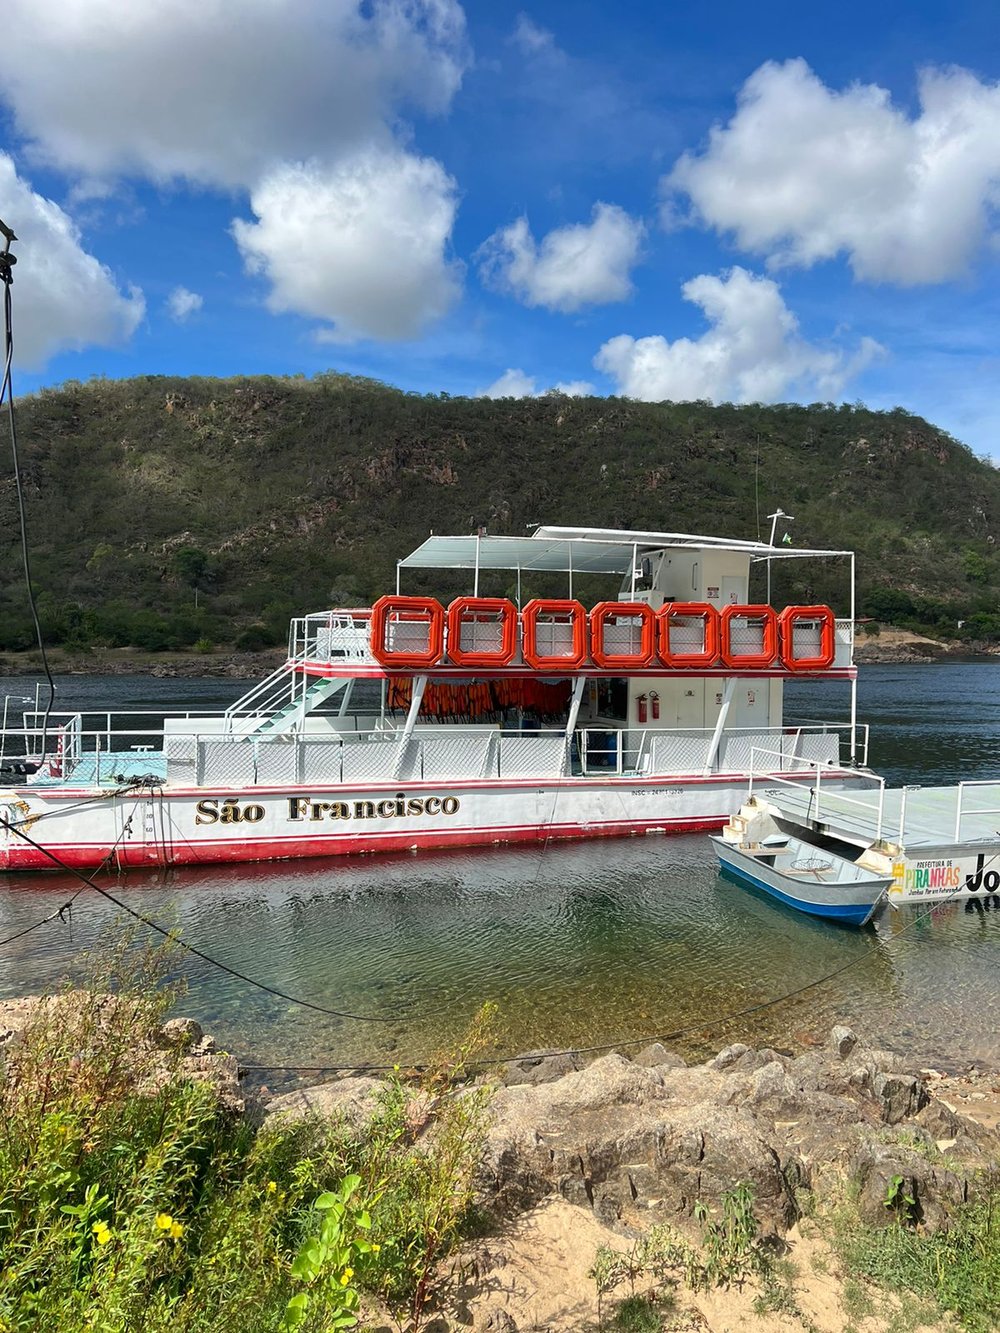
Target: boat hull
(198, 826)
(851, 904)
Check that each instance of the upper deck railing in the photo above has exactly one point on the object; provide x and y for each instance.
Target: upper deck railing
(341, 639)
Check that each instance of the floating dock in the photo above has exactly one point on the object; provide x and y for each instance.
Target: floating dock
(935, 842)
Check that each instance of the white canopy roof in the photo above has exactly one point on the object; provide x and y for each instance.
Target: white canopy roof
(582, 550)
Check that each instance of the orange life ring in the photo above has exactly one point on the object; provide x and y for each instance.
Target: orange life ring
(708, 656)
(541, 606)
(464, 609)
(827, 638)
(753, 661)
(613, 661)
(394, 610)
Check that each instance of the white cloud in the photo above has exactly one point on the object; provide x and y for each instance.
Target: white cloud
(573, 266)
(196, 89)
(361, 244)
(295, 101)
(516, 384)
(511, 384)
(752, 352)
(181, 304)
(802, 173)
(63, 297)
(530, 39)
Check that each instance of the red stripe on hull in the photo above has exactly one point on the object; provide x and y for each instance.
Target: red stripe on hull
(88, 856)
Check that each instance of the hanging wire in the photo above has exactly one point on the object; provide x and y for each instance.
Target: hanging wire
(190, 948)
(7, 262)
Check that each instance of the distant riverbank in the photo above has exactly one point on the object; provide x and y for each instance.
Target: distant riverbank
(889, 645)
(899, 645)
(131, 662)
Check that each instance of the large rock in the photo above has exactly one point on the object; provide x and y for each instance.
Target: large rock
(898, 1184)
(616, 1137)
(631, 1141)
(352, 1101)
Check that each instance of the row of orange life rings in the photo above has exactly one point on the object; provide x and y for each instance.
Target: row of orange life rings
(586, 639)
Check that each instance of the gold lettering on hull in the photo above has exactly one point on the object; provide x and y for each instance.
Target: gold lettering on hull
(304, 808)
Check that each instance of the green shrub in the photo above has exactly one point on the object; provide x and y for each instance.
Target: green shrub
(133, 1201)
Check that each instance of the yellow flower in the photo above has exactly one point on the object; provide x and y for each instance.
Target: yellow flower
(346, 1276)
(103, 1236)
(376, 1248)
(176, 1230)
(164, 1221)
(272, 1185)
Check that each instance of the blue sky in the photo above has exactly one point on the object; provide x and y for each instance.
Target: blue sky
(726, 201)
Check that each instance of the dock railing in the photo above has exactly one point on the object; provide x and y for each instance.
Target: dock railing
(819, 793)
(961, 813)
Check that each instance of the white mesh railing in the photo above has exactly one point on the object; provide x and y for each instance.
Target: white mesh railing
(844, 641)
(622, 636)
(458, 756)
(532, 756)
(685, 752)
(687, 634)
(746, 635)
(225, 759)
(343, 636)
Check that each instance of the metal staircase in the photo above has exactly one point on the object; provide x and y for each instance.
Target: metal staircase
(279, 703)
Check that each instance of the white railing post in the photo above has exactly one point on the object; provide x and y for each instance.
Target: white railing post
(902, 815)
(958, 812)
(881, 803)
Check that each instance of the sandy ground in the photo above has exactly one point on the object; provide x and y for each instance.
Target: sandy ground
(538, 1275)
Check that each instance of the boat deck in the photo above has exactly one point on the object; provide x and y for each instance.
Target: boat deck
(923, 820)
(115, 768)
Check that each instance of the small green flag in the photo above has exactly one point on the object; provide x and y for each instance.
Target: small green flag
(787, 539)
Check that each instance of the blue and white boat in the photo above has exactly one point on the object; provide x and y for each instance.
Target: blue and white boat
(809, 877)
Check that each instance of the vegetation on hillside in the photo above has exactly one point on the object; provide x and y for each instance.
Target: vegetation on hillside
(167, 512)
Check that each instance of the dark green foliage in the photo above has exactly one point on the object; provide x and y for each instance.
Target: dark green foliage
(157, 501)
(957, 1268)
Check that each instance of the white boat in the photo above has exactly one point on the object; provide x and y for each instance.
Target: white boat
(810, 878)
(409, 725)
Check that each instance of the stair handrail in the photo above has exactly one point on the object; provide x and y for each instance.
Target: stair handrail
(253, 701)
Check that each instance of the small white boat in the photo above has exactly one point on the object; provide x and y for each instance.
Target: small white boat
(803, 875)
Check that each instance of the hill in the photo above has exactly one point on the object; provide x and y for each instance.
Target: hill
(164, 511)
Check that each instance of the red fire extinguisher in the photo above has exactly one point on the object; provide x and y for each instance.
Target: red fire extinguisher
(641, 704)
(654, 702)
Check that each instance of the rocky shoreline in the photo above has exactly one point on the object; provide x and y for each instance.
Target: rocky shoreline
(583, 1156)
(580, 1157)
(125, 662)
(889, 646)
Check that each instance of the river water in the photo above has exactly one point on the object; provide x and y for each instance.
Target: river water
(579, 944)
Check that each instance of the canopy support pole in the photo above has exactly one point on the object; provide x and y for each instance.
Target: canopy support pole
(416, 698)
(720, 726)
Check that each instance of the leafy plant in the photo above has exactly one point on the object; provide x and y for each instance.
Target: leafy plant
(325, 1264)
